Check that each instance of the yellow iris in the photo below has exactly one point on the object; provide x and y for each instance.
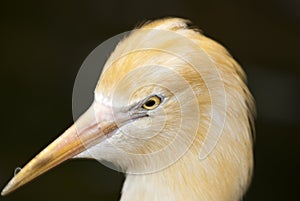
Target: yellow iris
(152, 103)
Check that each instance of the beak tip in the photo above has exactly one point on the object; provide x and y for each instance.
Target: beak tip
(10, 187)
(5, 191)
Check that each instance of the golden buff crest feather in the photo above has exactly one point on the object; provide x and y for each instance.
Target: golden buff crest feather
(172, 111)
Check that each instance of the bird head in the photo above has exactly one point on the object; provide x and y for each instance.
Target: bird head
(163, 93)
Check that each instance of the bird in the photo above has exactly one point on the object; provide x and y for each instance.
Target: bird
(171, 110)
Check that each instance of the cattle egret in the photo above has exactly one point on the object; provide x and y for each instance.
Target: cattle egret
(171, 110)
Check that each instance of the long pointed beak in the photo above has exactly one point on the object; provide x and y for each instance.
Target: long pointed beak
(88, 130)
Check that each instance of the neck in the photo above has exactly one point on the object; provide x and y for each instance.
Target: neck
(187, 179)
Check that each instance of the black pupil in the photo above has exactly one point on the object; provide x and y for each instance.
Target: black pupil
(150, 103)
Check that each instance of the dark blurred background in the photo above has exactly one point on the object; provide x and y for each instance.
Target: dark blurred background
(43, 44)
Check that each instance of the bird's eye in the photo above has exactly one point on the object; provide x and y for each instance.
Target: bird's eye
(152, 103)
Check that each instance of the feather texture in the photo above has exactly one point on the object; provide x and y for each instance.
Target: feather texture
(208, 108)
